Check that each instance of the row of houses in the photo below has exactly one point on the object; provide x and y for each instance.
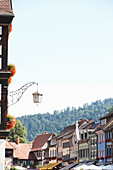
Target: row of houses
(85, 141)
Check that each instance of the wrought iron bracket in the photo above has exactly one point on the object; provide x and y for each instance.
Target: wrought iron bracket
(15, 96)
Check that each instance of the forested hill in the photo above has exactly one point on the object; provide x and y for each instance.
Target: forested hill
(40, 123)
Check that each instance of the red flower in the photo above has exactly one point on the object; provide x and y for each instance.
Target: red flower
(107, 140)
(9, 80)
(108, 156)
(12, 68)
(97, 158)
(10, 29)
(11, 122)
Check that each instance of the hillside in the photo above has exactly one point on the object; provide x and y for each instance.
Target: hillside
(39, 123)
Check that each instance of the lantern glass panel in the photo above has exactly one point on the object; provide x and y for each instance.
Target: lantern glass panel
(0, 30)
(0, 47)
(0, 91)
(0, 115)
(0, 63)
(36, 98)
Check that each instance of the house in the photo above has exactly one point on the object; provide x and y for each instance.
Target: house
(105, 136)
(9, 152)
(67, 146)
(87, 143)
(40, 149)
(52, 146)
(108, 130)
(93, 143)
(18, 154)
(83, 142)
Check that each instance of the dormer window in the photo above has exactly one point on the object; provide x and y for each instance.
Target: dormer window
(103, 121)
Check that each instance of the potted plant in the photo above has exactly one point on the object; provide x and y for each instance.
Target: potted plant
(97, 158)
(12, 69)
(11, 121)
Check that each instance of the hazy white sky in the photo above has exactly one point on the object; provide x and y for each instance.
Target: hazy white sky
(67, 47)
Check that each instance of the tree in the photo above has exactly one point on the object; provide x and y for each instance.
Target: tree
(110, 110)
(18, 131)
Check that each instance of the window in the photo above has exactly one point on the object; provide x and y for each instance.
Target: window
(8, 153)
(109, 150)
(83, 152)
(85, 135)
(66, 145)
(31, 162)
(103, 122)
(100, 137)
(93, 141)
(81, 136)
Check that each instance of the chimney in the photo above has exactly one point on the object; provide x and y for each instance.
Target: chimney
(46, 132)
(90, 120)
(17, 140)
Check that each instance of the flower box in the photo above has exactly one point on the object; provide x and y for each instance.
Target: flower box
(108, 156)
(107, 140)
(11, 122)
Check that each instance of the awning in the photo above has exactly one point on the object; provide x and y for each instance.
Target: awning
(55, 164)
(50, 166)
(69, 166)
(46, 166)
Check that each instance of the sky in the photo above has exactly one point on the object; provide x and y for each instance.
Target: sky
(66, 46)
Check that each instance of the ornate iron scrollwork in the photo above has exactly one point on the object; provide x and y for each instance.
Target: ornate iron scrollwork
(15, 96)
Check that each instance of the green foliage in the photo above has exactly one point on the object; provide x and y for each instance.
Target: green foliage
(110, 110)
(38, 166)
(13, 168)
(40, 123)
(6, 168)
(18, 131)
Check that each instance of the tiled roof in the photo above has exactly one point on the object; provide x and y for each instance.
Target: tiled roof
(7, 145)
(69, 129)
(83, 141)
(67, 136)
(5, 8)
(81, 122)
(13, 144)
(99, 128)
(20, 151)
(87, 126)
(108, 125)
(107, 115)
(95, 126)
(23, 150)
(65, 131)
(40, 141)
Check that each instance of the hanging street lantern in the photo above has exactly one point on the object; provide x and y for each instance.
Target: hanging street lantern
(37, 97)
